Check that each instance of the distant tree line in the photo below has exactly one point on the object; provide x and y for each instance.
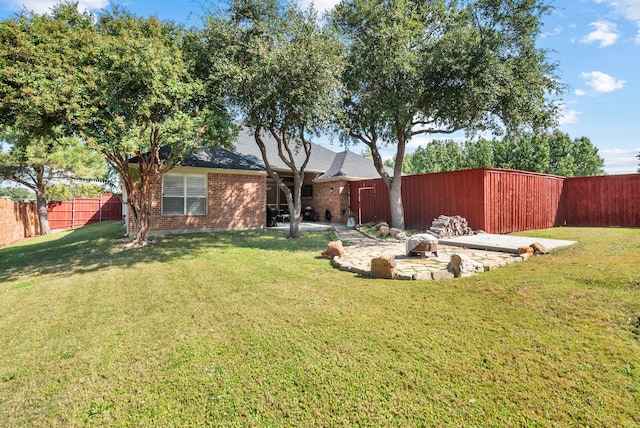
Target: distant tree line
(551, 153)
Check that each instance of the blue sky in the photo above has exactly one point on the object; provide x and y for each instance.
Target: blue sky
(595, 42)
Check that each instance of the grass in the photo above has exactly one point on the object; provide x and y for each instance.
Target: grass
(253, 329)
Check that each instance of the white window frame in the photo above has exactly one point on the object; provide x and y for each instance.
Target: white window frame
(185, 193)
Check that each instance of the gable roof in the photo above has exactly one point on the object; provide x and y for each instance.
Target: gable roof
(246, 156)
(327, 163)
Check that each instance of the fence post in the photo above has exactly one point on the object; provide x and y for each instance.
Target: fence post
(73, 214)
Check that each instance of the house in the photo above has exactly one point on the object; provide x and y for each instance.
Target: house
(224, 190)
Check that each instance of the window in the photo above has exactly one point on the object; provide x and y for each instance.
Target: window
(306, 191)
(184, 194)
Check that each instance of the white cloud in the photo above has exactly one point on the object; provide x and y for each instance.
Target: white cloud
(628, 9)
(637, 38)
(602, 82)
(580, 92)
(44, 6)
(633, 152)
(604, 32)
(569, 116)
(556, 31)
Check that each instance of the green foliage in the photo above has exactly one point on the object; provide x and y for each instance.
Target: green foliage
(40, 75)
(439, 155)
(41, 99)
(16, 193)
(555, 153)
(37, 162)
(65, 192)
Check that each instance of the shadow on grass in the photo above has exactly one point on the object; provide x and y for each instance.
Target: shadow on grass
(99, 246)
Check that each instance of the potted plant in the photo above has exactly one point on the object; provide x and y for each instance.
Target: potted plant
(351, 220)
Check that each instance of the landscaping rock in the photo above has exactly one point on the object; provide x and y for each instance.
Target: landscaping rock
(382, 223)
(441, 274)
(384, 231)
(525, 250)
(334, 248)
(402, 236)
(461, 265)
(422, 276)
(383, 267)
(538, 248)
(394, 232)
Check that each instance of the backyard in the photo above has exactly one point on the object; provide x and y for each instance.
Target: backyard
(254, 329)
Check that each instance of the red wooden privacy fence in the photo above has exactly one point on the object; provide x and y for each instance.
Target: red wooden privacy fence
(82, 211)
(501, 201)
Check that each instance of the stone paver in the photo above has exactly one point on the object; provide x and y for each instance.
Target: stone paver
(360, 249)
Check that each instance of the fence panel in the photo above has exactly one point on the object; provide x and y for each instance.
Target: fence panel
(82, 211)
(427, 196)
(518, 200)
(611, 200)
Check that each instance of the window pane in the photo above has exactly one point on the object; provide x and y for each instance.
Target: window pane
(196, 206)
(172, 206)
(196, 186)
(173, 185)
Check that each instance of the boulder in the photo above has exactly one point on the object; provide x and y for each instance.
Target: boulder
(402, 236)
(382, 223)
(334, 248)
(384, 231)
(394, 232)
(383, 267)
(538, 248)
(461, 265)
(525, 250)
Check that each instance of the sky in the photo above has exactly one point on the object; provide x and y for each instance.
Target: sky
(596, 44)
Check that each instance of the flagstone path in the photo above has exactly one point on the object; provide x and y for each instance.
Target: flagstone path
(360, 249)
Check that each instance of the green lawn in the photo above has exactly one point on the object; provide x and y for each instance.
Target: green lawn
(253, 329)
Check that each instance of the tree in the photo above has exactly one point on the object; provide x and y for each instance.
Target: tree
(147, 110)
(288, 70)
(522, 151)
(477, 153)
(438, 67)
(16, 193)
(65, 192)
(586, 159)
(40, 93)
(638, 156)
(437, 156)
(38, 163)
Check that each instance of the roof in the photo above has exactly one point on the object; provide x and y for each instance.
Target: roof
(327, 163)
(221, 159)
(217, 158)
(246, 156)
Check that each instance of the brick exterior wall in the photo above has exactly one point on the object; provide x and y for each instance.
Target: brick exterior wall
(336, 201)
(234, 201)
(18, 220)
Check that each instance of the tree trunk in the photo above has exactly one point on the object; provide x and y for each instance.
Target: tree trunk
(395, 202)
(295, 206)
(142, 214)
(43, 215)
(394, 184)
